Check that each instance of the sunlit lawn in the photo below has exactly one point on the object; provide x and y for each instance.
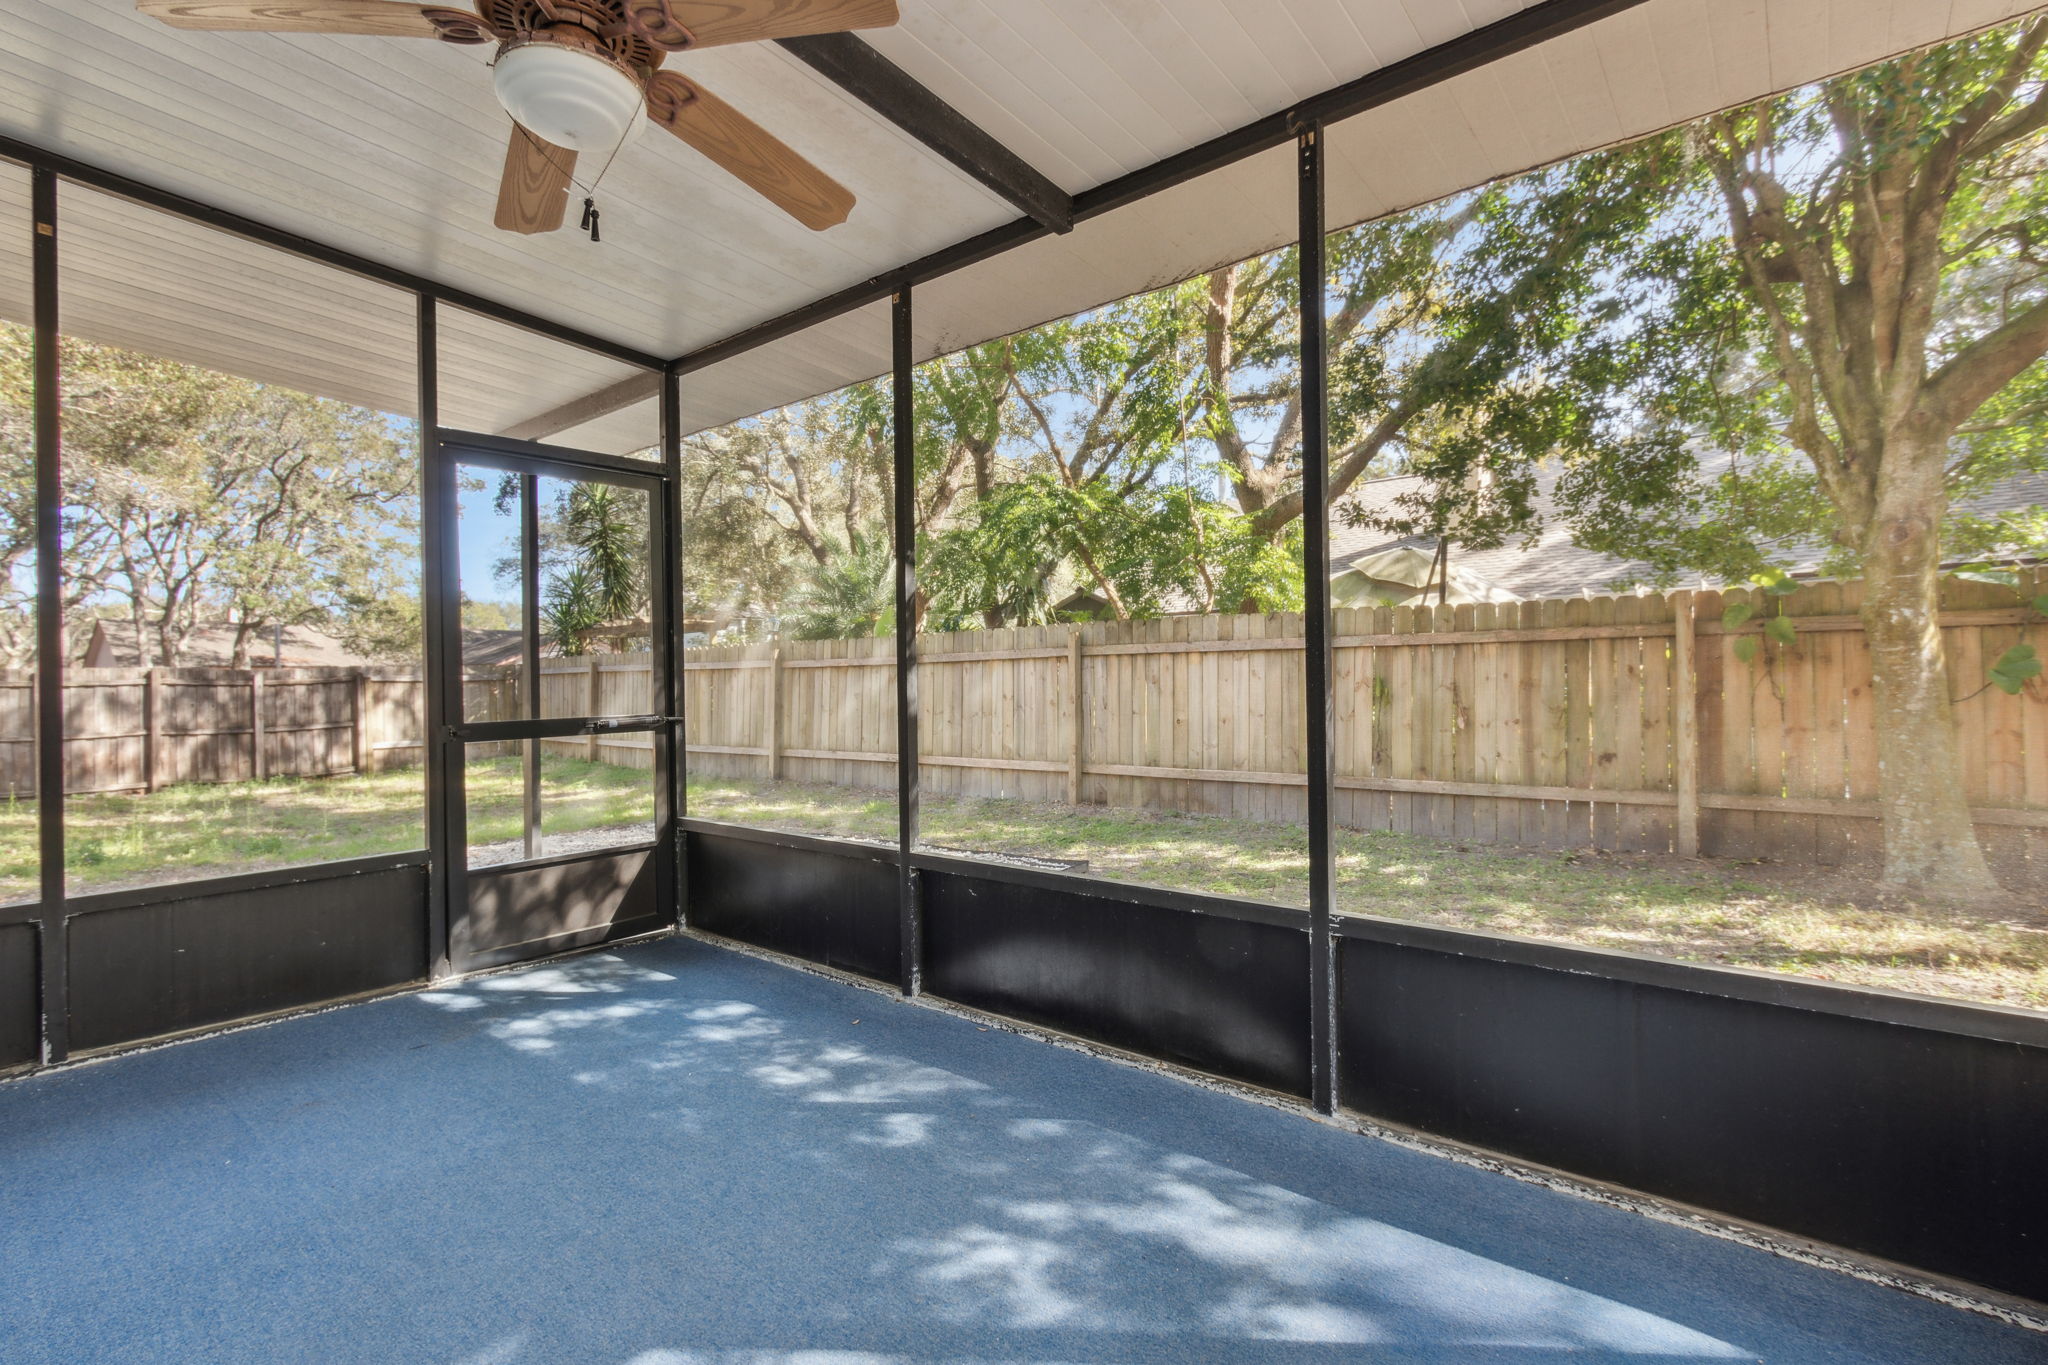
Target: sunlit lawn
(198, 830)
(1699, 912)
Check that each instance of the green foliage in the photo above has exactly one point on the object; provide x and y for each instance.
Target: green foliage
(606, 529)
(593, 551)
(1753, 321)
(1775, 582)
(1735, 613)
(998, 563)
(2009, 675)
(1150, 552)
(385, 624)
(1781, 629)
(1500, 306)
(193, 497)
(765, 500)
(850, 596)
(571, 608)
(489, 615)
(1228, 563)
(1147, 454)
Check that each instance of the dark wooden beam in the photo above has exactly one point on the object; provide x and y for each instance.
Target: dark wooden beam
(896, 95)
(634, 388)
(1502, 38)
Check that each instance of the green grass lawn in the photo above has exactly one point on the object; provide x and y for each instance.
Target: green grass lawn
(1696, 911)
(185, 832)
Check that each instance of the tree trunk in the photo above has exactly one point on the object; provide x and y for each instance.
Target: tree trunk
(238, 656)
(1930, 845)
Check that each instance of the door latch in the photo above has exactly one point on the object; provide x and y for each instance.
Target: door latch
(605, 725)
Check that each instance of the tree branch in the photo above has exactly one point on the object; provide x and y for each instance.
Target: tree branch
(1968, 381)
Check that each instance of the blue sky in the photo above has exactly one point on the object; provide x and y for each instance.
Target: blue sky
(485, 539)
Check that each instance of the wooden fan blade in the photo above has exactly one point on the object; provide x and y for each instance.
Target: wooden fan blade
(759, 158)
(715, 22)
(534, 192)
(376, 18)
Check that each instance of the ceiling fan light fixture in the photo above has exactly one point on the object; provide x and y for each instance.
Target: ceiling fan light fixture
(584, 76)
(570, 97)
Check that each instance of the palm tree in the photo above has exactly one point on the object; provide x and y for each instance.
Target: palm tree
(571, 610)
(609, 539)
(604, 531)
(851, 595)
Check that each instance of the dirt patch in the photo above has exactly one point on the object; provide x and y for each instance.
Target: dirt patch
(560, 845)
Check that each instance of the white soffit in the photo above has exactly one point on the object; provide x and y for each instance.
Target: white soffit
(1625, 76)
(1635, 73)
(820, 359)
(390, 150)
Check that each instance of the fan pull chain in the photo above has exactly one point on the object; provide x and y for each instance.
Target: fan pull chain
(590, 201)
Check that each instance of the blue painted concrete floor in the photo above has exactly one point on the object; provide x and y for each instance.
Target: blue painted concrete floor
(674, 1154)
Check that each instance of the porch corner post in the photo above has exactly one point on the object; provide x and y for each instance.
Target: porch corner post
(529, 616)
(1315, 457)
(442, 673)
(677, 660)
(910, 907)
(53, 936)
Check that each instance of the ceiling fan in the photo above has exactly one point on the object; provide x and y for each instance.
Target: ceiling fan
(575, 75)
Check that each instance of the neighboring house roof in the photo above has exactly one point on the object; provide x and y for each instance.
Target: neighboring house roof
(113, 645)
(1551, 565)
(1407, 574)
(492, 648)
(507, 648)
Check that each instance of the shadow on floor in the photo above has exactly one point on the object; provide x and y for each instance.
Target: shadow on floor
(677, 1155)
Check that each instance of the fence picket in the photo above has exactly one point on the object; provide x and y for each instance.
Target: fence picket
(1776, 678)
(1483, 731)
(1518, 822)
(1562, 759)
(1656, 827)
(1827, 762)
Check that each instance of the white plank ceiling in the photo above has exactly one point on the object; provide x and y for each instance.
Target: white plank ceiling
(390, 149)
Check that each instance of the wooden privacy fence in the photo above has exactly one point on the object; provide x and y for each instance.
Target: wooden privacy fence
(134, 729)
(589, 685)
(137, 729)
(1627, 723)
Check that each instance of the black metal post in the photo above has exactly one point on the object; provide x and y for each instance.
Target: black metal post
(907, 774)
(446, 822)
(49, 400)
(669, 643)
(529, 620)
(1315, 460)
